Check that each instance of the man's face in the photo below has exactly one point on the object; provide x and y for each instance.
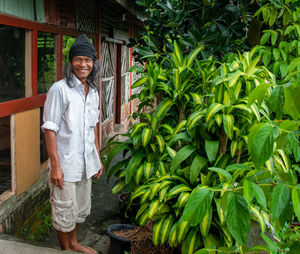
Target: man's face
(82, 66)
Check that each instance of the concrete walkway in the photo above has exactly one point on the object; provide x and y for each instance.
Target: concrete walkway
(92, 233)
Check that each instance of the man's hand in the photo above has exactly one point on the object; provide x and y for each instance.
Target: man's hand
(97, 176)
(57, 176)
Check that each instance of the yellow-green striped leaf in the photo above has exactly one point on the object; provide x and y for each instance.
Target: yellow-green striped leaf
(144, 217)
(163, 108)
(162, 168)
(173, 235)
(139, 174)
(182, 199)
(218, 119)
(118, 187)
(171, 152)
(228, 123)
(139, 82)
(179, 127)
(285, 159)
(146, 136)
(196, 98)
(213, 109)
(148, 169)
(166, 227)
(153, 207)
(178, 189)
(156, 231)
(193, 118)
(143, 207)
(136, 128)
(191, 242)
(260, 219)
(163, 193)
(206, 222)
(191, 57)
(160, 142)
(167, 128)
(155, 188)
(182, 229)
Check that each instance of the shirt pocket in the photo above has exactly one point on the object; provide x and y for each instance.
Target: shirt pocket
(94, 117)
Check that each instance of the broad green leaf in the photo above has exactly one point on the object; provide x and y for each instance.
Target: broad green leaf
(280, 200)
(283, 69)
(265, 38)
(181, 155)
(197, 164)
(276, 53)
(291, 103)
(259, 195)
(197, 205)
(271, 244)
(294, 143)
(273, 16)
(248, 191)
(274, 38)
(260, 143)
(258, 94)
(267, 57)
(134, 162)
(221, 172)
(276, 101)
(211, 149)
(238, 217)
(296, 201)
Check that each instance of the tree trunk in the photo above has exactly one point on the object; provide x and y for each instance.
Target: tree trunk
(223, 139)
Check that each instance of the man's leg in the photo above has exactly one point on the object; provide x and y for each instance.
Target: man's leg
(68, 241)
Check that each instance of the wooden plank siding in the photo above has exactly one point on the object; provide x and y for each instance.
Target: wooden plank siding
(27, 142)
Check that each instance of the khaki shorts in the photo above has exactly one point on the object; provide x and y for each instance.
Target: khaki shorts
(71, 204)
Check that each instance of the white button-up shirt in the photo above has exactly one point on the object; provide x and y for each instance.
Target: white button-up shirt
(73, 117)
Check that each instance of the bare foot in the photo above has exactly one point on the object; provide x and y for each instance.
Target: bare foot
(92, 250)
(79, 248)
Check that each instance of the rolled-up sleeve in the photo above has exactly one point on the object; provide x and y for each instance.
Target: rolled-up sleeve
(53, 110)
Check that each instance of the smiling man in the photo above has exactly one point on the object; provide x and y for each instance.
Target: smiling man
(71, 115)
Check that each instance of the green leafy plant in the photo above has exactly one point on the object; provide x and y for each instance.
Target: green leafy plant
(220, 150)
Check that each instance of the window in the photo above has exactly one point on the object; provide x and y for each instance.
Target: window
(46, 66)
(67, 43)
(12, 63)
(5, 166)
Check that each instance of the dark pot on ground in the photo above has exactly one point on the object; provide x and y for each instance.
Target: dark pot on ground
(118, 245)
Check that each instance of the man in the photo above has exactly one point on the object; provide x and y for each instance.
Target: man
(70, 126)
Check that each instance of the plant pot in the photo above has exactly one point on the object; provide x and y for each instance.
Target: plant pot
(118, 245)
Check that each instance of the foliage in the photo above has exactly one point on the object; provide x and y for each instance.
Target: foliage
(218, 26)
(221, 149)
(38, 225)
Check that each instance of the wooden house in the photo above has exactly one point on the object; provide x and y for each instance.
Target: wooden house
(34, 39)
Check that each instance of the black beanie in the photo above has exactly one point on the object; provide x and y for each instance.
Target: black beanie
(82, 47)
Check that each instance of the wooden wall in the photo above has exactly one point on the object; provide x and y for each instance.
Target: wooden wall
(27, 149)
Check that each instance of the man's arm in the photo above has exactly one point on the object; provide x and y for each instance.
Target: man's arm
(56, 174)
(97, 176)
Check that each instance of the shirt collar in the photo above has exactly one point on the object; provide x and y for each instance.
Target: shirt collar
(76, 82)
